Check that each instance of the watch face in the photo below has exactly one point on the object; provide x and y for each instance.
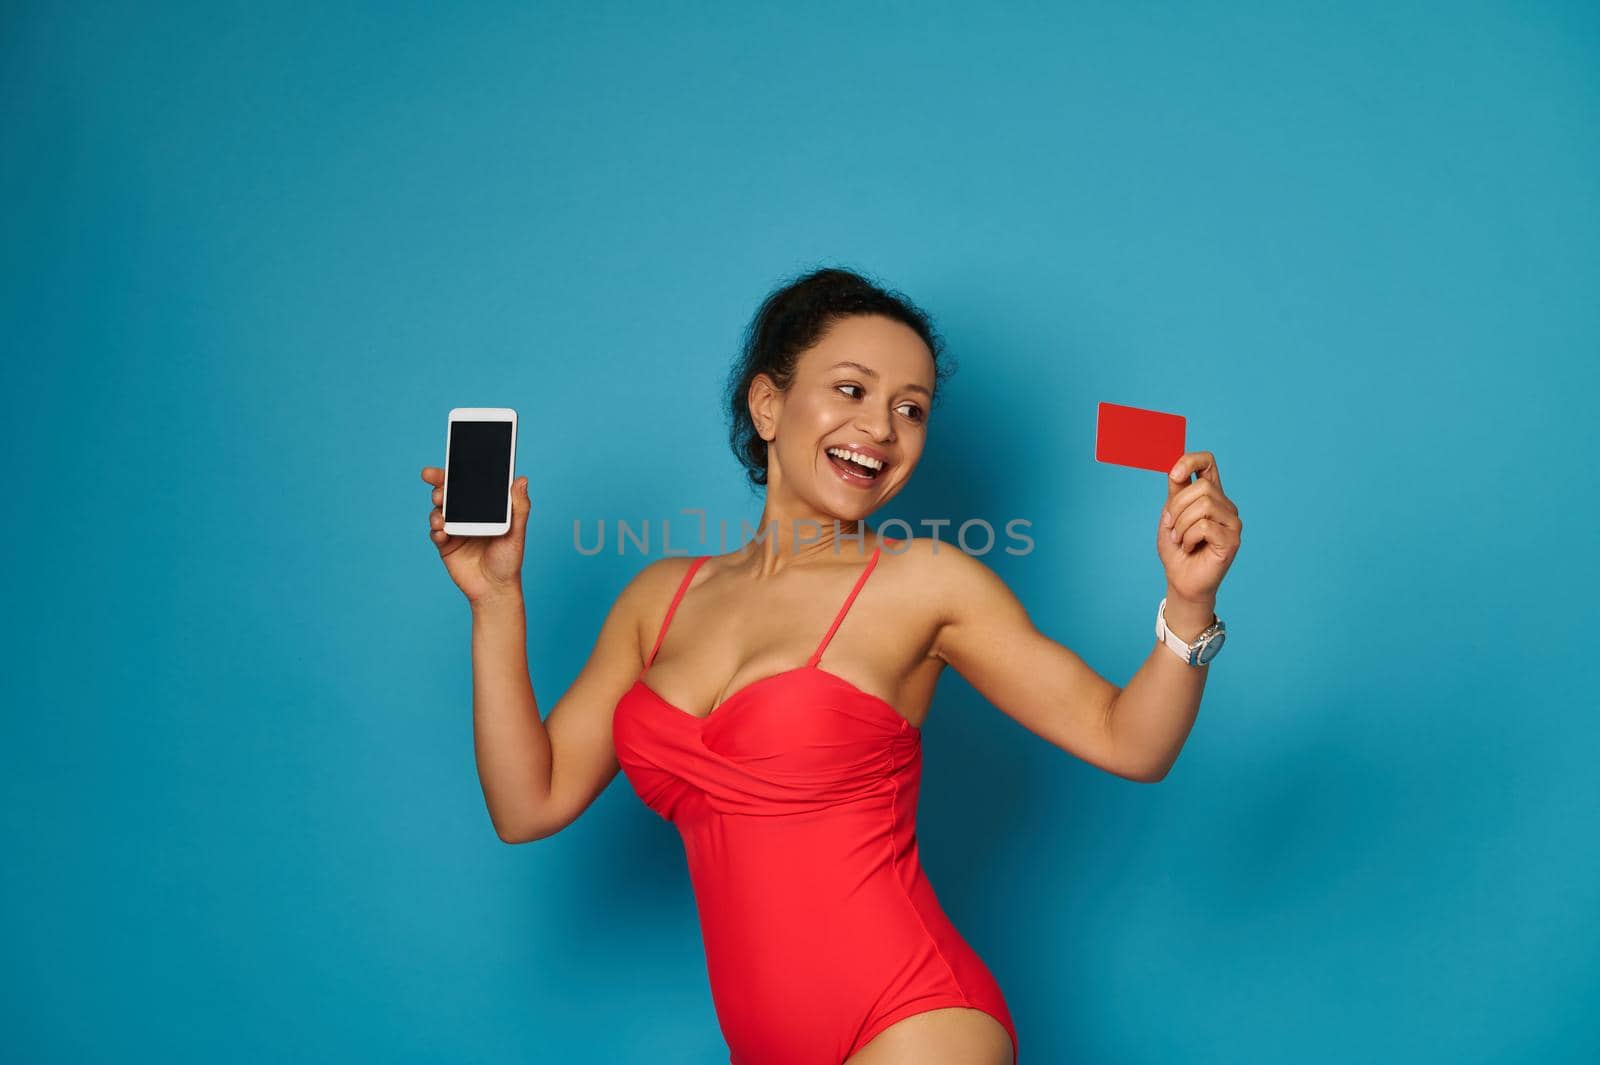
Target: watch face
(1213, 645)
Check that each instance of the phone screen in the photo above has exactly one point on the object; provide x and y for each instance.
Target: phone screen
(478, 472)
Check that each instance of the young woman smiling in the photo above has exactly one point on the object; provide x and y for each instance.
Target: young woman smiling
(769, 702)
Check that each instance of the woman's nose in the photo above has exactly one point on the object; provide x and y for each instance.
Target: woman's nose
(878, 424)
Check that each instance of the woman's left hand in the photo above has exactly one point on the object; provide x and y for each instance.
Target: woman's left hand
(1199, 531)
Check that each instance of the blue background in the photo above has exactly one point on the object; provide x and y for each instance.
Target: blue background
(253, 254)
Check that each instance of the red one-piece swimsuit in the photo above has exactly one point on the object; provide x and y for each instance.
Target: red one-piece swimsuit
(796, 800)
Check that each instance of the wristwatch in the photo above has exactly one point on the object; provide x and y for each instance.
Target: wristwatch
(1202, 650)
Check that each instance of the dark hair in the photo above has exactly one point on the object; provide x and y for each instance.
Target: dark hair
(791, 320)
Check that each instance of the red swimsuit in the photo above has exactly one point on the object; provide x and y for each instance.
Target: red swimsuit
(796, 800)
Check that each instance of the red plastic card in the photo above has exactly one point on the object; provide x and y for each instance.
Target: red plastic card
(1131, 436)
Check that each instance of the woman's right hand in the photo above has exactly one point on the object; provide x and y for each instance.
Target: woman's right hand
(483, 567)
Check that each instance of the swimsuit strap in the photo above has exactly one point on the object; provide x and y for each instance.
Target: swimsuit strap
(873, 561)
(683, 586)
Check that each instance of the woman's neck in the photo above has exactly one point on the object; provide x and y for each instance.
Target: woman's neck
(782, 541)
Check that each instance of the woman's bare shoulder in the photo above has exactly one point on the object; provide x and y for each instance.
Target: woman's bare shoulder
(941, 572)
(922, 555)
(643, 600)
(656, 581)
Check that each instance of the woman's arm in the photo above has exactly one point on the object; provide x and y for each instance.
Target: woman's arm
(985, 634)
(509, 741)
(1150, 719)
(539, 776)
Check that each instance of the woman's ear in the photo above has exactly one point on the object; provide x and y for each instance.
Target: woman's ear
(765, 401)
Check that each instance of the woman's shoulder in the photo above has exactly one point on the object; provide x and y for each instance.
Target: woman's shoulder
(938, 569)
(921, 553)
(648, 590)
(666, 572)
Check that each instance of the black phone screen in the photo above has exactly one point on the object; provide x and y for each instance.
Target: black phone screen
(479, 469)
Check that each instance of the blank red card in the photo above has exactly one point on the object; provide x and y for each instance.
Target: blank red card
(1131, 436)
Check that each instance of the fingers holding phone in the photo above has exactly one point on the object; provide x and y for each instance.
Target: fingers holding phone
(480, 515)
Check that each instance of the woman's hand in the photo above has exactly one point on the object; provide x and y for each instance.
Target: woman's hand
(483, 567)
(1199, 532)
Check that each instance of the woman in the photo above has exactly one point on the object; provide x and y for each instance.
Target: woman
(795, 786)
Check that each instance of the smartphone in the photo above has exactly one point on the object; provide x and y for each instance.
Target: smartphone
(480, 457)
(1133, 436)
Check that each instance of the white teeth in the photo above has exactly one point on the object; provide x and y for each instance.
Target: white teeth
(856, 456)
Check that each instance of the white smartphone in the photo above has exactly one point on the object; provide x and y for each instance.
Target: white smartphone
(480, 460)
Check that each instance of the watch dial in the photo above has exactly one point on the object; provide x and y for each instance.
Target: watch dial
(1213, 645)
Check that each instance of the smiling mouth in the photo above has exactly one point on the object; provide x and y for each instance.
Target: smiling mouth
(852, 471)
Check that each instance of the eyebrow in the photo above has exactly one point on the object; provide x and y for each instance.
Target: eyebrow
(870, 372)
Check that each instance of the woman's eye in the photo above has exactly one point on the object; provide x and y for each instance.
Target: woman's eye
(914, 412)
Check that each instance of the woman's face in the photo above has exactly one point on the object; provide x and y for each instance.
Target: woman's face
(866, 385)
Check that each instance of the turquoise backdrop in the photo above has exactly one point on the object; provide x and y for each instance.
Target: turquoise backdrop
(253, 253)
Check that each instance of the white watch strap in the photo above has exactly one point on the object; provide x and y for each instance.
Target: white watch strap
(1167, 636)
